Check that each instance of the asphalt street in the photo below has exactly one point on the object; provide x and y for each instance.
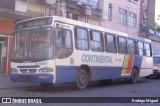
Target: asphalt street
(144, 88)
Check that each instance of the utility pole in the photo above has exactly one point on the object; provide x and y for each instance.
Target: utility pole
(147, 28)
(58, 7)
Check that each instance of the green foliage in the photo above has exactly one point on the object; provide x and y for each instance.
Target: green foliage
(157, 27)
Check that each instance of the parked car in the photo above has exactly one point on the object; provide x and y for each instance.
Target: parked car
(156, 65)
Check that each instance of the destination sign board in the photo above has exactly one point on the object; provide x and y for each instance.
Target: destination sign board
(34, 23)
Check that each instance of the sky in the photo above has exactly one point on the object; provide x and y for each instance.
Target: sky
(157, 11)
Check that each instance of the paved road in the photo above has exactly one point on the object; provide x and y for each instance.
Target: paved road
(145, 88)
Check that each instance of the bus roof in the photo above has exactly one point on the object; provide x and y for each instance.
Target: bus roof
(91, 26)
(82, 24)
(78, 23)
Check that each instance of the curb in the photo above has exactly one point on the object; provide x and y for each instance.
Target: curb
(8, 88)
(4, 75)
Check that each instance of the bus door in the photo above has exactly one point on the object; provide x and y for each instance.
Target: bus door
(64, 52)
(145, 59)
(148, 59)
(140, 59)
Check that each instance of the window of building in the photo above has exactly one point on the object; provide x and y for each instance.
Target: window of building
(133, 1)
(144, 19)
(97, 42)
(81, 38)
(122, 16)
(110, 12)
(140, 48)
(145, 4)
(132, 22)
(8, 4)
(148, 51)
(122, 45)
(131, 46)
(144, 22)
(110, 42)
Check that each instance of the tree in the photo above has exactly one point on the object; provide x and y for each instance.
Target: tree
(157, 27)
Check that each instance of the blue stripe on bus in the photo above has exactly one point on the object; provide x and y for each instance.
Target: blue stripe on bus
(33, 78)
(102, 73)
(66, 74)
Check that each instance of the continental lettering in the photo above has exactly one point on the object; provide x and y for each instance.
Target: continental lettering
(87, 58)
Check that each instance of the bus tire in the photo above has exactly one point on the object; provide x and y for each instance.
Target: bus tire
(134, 76)
(82, 79)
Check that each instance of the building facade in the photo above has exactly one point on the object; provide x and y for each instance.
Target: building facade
(147, 24)
(12, 11)
(88, 11)
(122, 15)
(147, 15)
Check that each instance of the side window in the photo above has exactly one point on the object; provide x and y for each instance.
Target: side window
(81, 38)
(131, 47)
(122, 45)
(110, 42)
(63, 39)
(148, 51)
(140, 48)
(97, 42)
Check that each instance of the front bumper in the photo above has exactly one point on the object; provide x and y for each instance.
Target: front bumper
(33, 78)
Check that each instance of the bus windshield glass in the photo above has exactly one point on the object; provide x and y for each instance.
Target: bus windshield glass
(33, 44)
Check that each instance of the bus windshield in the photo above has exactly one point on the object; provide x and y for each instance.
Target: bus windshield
(156, 60)
(33, 44)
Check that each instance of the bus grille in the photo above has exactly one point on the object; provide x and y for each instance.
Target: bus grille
(28, 70)
(31, 66)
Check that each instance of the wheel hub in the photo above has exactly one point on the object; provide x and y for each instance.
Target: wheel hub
(82, 79)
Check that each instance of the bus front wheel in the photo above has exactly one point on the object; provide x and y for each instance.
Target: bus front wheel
(82, 79)
(134, 76)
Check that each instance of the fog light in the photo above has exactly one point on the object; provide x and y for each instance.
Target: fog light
(42, 77)
(13, 70)
(45, 70)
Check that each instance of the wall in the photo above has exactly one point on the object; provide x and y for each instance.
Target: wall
(78, 9)
(7, 4)
(114, 23)
(37, 8)
(151, 14)
(6, 29)
(6, 26)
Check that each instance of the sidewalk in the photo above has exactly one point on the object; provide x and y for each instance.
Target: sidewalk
(6, 83)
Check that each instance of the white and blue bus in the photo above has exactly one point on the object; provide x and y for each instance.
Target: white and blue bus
(53, 50)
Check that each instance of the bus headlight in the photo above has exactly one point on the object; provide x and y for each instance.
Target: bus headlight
(46, 69)
(13, 70)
